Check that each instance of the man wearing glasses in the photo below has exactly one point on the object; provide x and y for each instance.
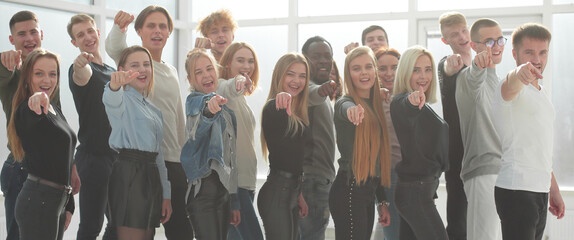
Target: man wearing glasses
(474, 95)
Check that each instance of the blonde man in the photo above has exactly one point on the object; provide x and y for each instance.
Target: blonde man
(455, 34)
(218, 31)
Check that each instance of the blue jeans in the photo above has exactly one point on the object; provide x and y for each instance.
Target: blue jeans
(94, 172)
(248, 228)
(390, 232)
(315, 191)
(40, 211)
(12, 179)
(419, 217)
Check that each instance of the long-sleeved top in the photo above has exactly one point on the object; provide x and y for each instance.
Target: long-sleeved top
(8, 85)
(423, 136)
(346, 140)
(136, 124)
(95, 128)
(48, 143)
(396, 156)
(246, 157)
(210, 145)
(320, 146)
(475, 91)
(285, 151)
(450, 112)
(165, 96)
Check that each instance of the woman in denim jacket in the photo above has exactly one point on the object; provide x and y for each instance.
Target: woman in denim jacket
(208, 156)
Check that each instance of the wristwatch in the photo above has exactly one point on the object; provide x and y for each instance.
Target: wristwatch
(383, 203)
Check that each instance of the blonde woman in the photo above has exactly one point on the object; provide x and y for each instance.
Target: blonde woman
(208, 156)
(423, 137)
(364, 166)
(284, 124)
(239, 77)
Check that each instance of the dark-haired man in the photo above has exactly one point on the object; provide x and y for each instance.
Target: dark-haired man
(25, 35)
(318, 165)
(94, 158)
(524, 117)
(373, 37)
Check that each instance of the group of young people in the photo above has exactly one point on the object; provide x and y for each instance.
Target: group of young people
(143, 160)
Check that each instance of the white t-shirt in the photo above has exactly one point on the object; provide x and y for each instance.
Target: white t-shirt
(525, 126)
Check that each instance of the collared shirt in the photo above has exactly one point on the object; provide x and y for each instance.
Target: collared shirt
(136, 124)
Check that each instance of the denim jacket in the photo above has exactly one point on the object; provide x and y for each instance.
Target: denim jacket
(205, 142)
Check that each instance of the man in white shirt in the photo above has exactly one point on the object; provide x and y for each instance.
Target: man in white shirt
(524, 118)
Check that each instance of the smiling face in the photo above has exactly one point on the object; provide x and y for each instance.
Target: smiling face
(86, 37)
(362, 71)
(387, 65)
(295, 78)
(376, 39)
(489, 33)
(532, 50)
(154, 32)
(44, 76)
(422, 74)
(243, 62)
(139, 62)
(457, 37)
(204, 76)
(320, 61)
(221, 36)
(26, 36)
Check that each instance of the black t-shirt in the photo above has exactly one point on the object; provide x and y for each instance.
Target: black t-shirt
(95, 128)
(285, 152)
(450, 113)
(48, 143)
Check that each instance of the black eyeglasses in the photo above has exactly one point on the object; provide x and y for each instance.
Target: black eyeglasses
(501, 41)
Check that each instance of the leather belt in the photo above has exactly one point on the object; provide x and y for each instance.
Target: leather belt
(64, 188)
(286, 174)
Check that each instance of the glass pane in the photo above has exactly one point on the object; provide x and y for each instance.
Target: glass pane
(396, 29)
(241, 9)
(135, 6)
(431, 5)
(563, 81)
(87, 2)
(169, 54)
(329, 7)
(268, 49)
(563, 1)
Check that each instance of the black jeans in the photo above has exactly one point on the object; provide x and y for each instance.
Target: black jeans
(12, 178)
(40, 211)
(455, 200)
(419, 217)
(278, 206)
(522, 213)
(352, 207)
(210, 209)
(178, 227)
(94, 172)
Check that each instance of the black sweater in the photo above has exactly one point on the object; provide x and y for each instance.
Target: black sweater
(423, 137)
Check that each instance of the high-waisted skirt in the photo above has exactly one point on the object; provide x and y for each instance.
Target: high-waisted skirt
(134, 190)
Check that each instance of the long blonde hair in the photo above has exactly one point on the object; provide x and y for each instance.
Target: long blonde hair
(371, 136)
(299, 114)
(405, 72)
(24, 92)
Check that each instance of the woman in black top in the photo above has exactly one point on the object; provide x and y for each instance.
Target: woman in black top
(39, 134)
(364, 166)
(423, 137)
(283, 125)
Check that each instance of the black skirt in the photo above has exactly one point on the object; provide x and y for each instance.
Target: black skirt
(134, 190)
